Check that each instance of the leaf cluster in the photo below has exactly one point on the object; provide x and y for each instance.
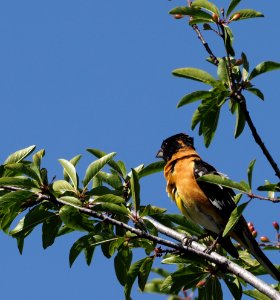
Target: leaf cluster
(233, 74)
(107, 189)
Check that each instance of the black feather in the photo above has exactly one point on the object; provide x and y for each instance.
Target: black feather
(221, 198)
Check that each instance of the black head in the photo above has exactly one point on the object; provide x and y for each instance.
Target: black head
(172, 144)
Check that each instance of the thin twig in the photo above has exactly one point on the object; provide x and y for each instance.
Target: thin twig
(237, 95)
(273, 200)
(205, 44)
(258, 139)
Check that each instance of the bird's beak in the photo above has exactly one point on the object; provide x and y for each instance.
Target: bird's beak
(159, 154)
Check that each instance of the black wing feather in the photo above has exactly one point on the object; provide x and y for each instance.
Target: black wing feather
(221, 197)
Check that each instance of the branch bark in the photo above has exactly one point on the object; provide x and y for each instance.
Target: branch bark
(192, 246)
(236, 95)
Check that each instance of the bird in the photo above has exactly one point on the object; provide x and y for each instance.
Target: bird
(206, 204)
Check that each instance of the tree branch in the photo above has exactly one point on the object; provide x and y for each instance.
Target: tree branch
(258, 139)
(273, 200)
(237, 96)
(219, 260)
(192, 246)
(205, 44)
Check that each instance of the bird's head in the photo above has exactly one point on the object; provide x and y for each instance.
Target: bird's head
(173, 144)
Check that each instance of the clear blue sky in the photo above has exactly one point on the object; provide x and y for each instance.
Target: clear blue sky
(81, 74)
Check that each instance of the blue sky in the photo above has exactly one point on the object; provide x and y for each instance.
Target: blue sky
(97, 74)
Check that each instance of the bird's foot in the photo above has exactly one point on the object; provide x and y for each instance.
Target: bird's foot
(187, 240)
(212, 247)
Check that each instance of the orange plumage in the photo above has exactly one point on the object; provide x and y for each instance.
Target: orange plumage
(206, 204)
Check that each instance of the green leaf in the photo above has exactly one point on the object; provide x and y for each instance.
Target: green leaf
(23, 182)
(112, 208)
(63, 186)
(70, 170)
(14, 200)
(256, 294)
(151, 169)
(72, 218)
(148, 246)
(36, 166)
(223, 71)
(99, 191)
(37, 157)
(229, 40)
(245, 70)
(135, 189)
(183, 259)
(209, 122)
(34, 217)
(232, 6)
(117, 166)
(264, 67)
(89, 254)
(131, 277)
(245, 256)
(21, 168)
(250, 172)
(205, 4)
(234, 218)
(106, 242)
(153, 286)
(186, 277)
(213, 288)
(144, 272)
(71, 200)
(113, 180)
(160, 271)
(234, 286)
(247, 14)
(196, 118)
(95, 167)
(256, 92)
(74, 162)
(198, 20)
(50, 229)
(189, 226)
(122, 264)
(195, 96)
(117, 244)
(269, 187)
(193, 12)
(85, 242)
(150, 210)
(6, 219)
(217, 179)
(196, 74)
(240, 122)
(19, 155)
(237, 198)
(122, 168)
(109, 198)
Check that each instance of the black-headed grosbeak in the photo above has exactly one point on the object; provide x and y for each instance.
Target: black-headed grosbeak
(206, 204)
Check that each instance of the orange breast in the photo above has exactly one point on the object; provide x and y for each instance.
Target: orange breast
(190, 199)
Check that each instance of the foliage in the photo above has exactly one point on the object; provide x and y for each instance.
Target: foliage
(105, 206)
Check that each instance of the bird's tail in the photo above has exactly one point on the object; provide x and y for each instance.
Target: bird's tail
(243, 235)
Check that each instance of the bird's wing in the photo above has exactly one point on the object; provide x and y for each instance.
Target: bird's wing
(220, 197)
